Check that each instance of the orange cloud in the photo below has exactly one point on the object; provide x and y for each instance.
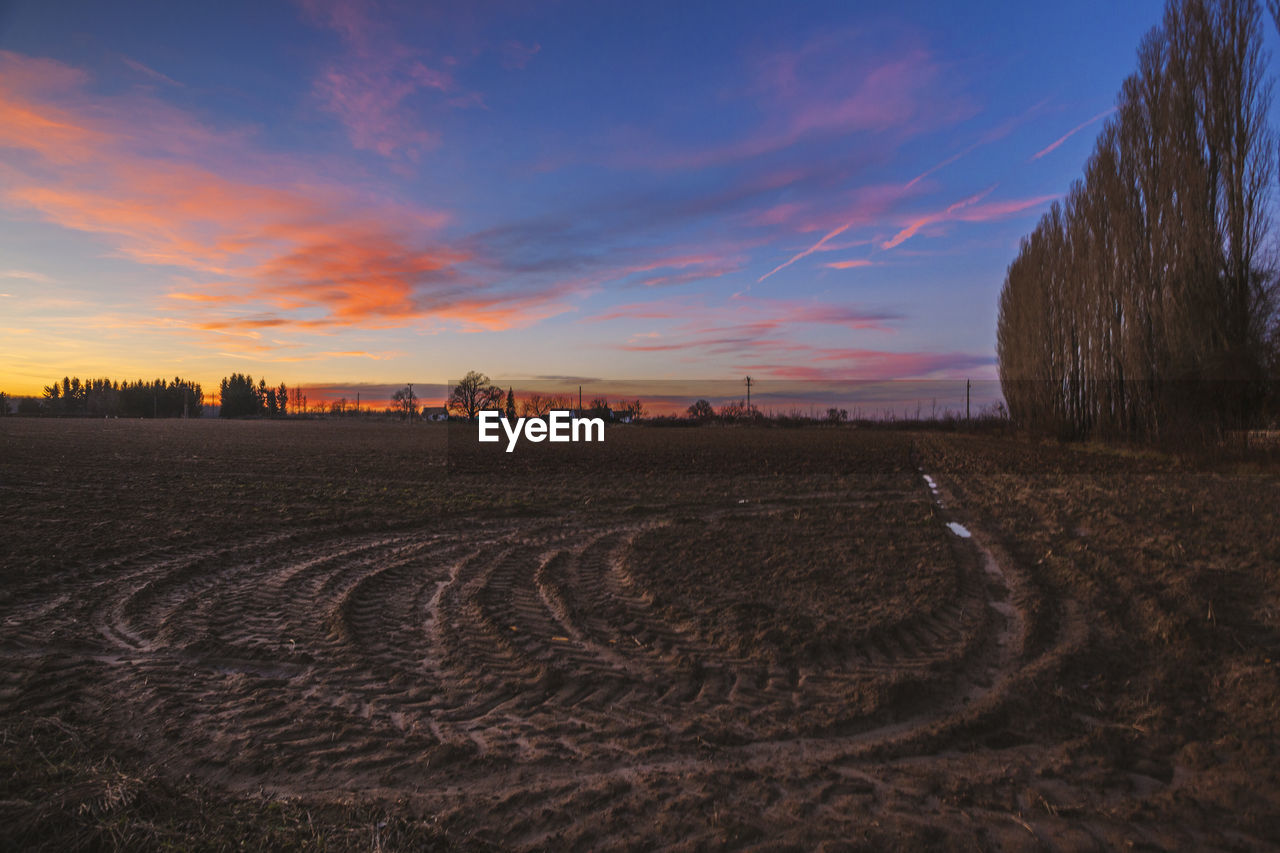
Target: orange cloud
(313, 253)
(848, 265)
(56, 134)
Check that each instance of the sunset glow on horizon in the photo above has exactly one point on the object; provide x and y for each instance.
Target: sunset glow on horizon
(342, 195)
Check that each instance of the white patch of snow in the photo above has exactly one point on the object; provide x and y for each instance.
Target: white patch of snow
(958, 529)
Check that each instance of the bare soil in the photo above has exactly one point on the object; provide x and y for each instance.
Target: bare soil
(340, 635)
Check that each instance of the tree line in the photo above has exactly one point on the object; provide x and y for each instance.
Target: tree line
(476, 393)
(1144, 303)
(157, 398)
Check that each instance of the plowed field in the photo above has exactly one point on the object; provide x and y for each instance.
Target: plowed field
(321, 634)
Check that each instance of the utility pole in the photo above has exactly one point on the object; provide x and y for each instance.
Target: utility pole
(579, 401)
(749, 381)
(412, 408)
(966, 399)
(357, 402)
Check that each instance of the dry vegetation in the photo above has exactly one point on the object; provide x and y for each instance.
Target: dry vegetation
(224, 634)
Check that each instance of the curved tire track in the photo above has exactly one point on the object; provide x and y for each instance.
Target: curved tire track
(368, 661)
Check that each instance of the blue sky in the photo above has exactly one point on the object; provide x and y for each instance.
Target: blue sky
(332, 193)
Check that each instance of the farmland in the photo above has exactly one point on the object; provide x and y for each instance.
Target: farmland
(342, 635)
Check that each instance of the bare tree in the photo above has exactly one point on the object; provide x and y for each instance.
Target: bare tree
(406, 403)
(473, 394)
(535, 405)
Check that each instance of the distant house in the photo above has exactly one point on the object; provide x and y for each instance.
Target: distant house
(435, 413)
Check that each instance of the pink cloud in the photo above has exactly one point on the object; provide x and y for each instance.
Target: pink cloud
(768, 337)
(778, 214)
(369, 103)
(745, 316)
(1000, 209)
(833, 85)
(867, 364)
(702, 273)
(911, 230)
(516, 55)
(372, 86)
(968, 210)
(869, 204)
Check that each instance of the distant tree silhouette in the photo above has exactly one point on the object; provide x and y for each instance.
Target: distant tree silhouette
(4, 404)
(633, 410)
(473, 393)
(405, 401)
(536, 405)
(510, 410)
(108, 398)
(53, 398)
(739, 411)
(702, 411)
(599, 408)
(240, 398)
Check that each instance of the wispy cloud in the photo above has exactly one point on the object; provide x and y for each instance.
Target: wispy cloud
(831, 86)
(993, 134)
(868, 205)
(26, 275)
(911, 230)
(516, 55)
(874, 203)
(843, 364)
(1070, 133)
(758, 336)
(967, 210)
(748, 317)
(816, 247)
(374, 85)
(149, 72)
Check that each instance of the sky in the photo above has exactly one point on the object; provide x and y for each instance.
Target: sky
(360, 194)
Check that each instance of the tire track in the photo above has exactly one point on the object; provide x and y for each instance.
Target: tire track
(366, 661)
